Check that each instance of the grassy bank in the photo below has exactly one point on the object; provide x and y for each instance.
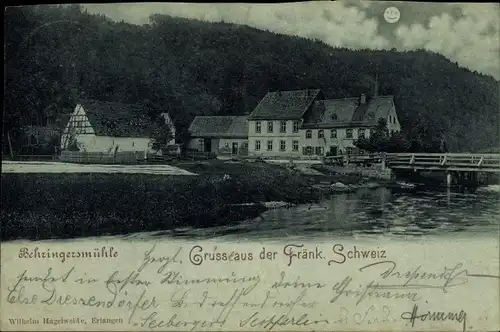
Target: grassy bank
(41, 206)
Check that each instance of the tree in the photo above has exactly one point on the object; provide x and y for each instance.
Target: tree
(73, 144)
(378, 140)
(161, 136)
(191, 68)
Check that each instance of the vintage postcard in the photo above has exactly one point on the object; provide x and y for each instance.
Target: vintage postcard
(308, 166)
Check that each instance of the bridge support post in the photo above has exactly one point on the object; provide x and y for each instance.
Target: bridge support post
(473, 179)
(448, 179)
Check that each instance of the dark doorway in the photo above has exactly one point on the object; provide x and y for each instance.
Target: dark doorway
(333, 150)
(208, 145)
(235, 148)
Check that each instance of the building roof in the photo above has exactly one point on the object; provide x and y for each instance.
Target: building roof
(282, 105)
(117, 119)
(348, 112)
(219, 126)
(62, 121)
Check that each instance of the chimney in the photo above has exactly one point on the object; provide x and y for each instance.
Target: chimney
(363, 99)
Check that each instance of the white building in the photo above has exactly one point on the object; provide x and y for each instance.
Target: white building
(295, 123)
(96, 126)
(275, 123)
(333, 125)
(222, 135)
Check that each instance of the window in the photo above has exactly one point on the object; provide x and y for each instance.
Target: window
(309, 150)
(348, 133)
(283, 127)
(269, 126)
(282, 145)
(309, 133)
(349, 150)
(295, 145)
(133, 143)
(296, 126)
(321, 133)
(257, 145)
(361, 133)
(319, 150)
(334, 116)
(333, 133)
(258, 127)
(269, 145)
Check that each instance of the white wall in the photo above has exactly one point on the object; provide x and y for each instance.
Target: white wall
(225, 145)
(276, 137)
(196, 144)
(340, 141)
(78, 125)
(79, 128)
(393, 123)
(218, 145)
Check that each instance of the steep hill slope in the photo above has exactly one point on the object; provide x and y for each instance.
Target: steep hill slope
(186, 67)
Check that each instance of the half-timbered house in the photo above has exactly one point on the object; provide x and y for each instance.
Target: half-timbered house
(97, 126)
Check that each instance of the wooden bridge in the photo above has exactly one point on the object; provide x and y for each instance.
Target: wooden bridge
(464, 167)
(452, 162)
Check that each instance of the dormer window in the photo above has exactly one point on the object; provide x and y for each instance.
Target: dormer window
(334, 116)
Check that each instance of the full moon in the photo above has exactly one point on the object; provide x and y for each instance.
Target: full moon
(392, 15)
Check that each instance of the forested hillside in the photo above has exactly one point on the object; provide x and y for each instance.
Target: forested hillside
(59, 53)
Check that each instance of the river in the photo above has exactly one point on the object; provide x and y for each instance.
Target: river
(365, 213)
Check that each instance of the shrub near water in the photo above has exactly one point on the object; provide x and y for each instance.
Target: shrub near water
(69, 205)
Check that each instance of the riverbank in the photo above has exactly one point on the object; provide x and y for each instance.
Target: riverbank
(68, 205)
(43, 206)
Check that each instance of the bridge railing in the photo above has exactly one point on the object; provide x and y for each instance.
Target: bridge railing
(443, 160)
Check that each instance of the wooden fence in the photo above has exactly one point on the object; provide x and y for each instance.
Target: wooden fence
(363, 159)
(125, 157)
(34, 157)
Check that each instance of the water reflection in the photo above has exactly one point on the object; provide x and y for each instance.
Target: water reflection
(368, 212)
